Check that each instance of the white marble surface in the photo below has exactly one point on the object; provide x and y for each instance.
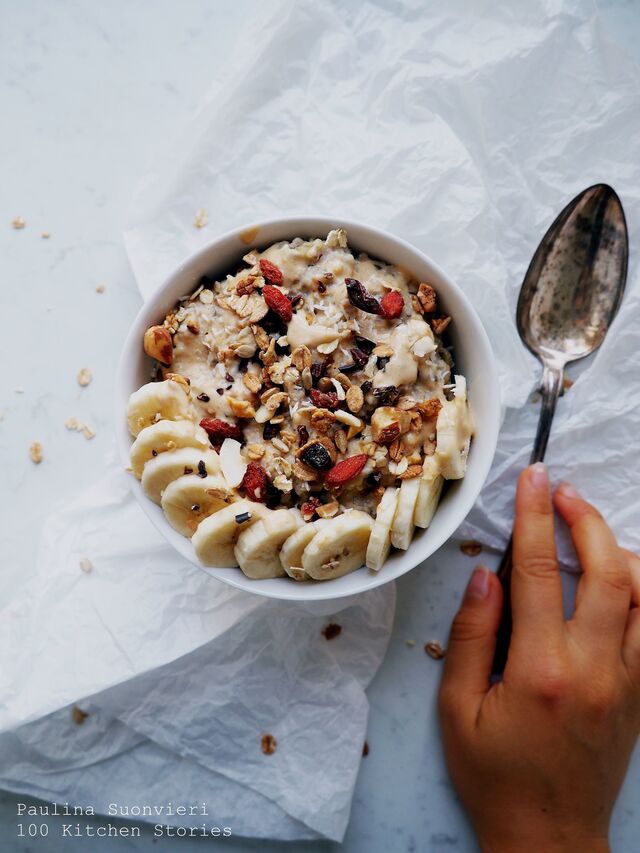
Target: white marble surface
(87, 90)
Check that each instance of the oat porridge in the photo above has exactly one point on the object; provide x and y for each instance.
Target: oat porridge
(304, 414)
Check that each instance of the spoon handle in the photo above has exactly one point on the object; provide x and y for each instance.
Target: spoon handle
(552, 378)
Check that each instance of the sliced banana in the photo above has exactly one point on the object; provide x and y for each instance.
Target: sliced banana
(380, 539)
(168, 400)
(403, 524)
(189, 499)
(293, 548)
(163, 469)
(431, 484)
(454, 429)
(215, 538)
(258, 548)
(163, 436)
(339, 547)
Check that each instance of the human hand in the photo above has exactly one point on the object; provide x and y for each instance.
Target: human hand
(538, 758)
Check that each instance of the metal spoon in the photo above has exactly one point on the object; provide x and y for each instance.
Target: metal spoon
(569, 297)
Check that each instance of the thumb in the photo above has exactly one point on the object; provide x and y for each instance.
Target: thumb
(472, 642)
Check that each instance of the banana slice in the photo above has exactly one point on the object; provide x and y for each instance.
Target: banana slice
(163, 436)
(191, 498)
(454, 429)
(431, 484)
(156, 401)
(258, 548)
(403, 524)
(339, 547)
(380, 539)
(215, 538)
(293, 548)
(163, 469)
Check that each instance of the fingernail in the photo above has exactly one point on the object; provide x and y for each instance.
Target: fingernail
(478, 586)
(539, 476)
(568, 491)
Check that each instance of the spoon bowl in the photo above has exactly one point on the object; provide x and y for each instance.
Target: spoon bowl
(575, 281)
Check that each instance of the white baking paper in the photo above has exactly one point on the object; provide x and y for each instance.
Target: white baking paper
(462, 127)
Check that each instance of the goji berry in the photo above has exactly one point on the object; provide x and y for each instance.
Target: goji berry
(270, 272)
(392, 305)
(346, 470)
(255, 482)
(219, 429)
(278, 302)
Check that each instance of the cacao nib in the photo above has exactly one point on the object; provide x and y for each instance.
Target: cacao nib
(359, 357)
(360, 297)
(204, 398)
(382, 361)
(366, 386)
(273, 496)
(374, 479)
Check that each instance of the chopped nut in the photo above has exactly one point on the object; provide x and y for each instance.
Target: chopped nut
(340, 440)
(78, 716)
(349, 419)
(262, 338)
(100, 288)
(471, 547)
(331, 631)
(355, 399)
(45, 235)
(268, 744)
(434, 650)
(301, 358)
(439, 324)
(252, 381)
(86, 565)
(321, 419)
(201, 218)
(388, 434)
(35, 452)
(328, 510)
(402, 466)
(18, 223)
(427, 299)
(246, 285)
(411, 472)
(158, 344)
(388, 423)
(304, 472)
(84, 377)
(416, 421)
(395, 450)
(255, 451)
(241, 408)
(429, 409)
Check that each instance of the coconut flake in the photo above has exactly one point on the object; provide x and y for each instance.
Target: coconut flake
(231, 462)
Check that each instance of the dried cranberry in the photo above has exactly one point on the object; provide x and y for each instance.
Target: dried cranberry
(317, 456)
(365, 344)
(359, 357)
(360, 297)
(324, 401)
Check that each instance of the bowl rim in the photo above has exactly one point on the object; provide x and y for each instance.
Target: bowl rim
(295, 591)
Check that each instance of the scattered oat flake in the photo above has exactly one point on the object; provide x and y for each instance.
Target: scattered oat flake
(35, 452)
(410, 643)
(331, 631)
(202, 218)
(86, 565)
(87, 432)
(268, 744)
(45, 235)
(74, 424)
(78, 715)
(18, 222)
(84, 377)
(471, 547)
(100, 288)
(434, 650)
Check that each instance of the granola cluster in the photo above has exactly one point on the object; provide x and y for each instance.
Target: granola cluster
(328, 367)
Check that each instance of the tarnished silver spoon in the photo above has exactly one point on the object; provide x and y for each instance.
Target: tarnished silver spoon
(569, 297)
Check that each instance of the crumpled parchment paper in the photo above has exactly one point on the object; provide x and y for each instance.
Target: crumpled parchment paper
(463, 128)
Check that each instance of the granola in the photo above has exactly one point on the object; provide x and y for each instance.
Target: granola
(329, 372)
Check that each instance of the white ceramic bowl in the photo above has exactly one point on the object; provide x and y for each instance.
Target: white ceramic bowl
(473, 354)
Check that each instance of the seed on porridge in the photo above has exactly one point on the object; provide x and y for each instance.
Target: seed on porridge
(319, 384)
